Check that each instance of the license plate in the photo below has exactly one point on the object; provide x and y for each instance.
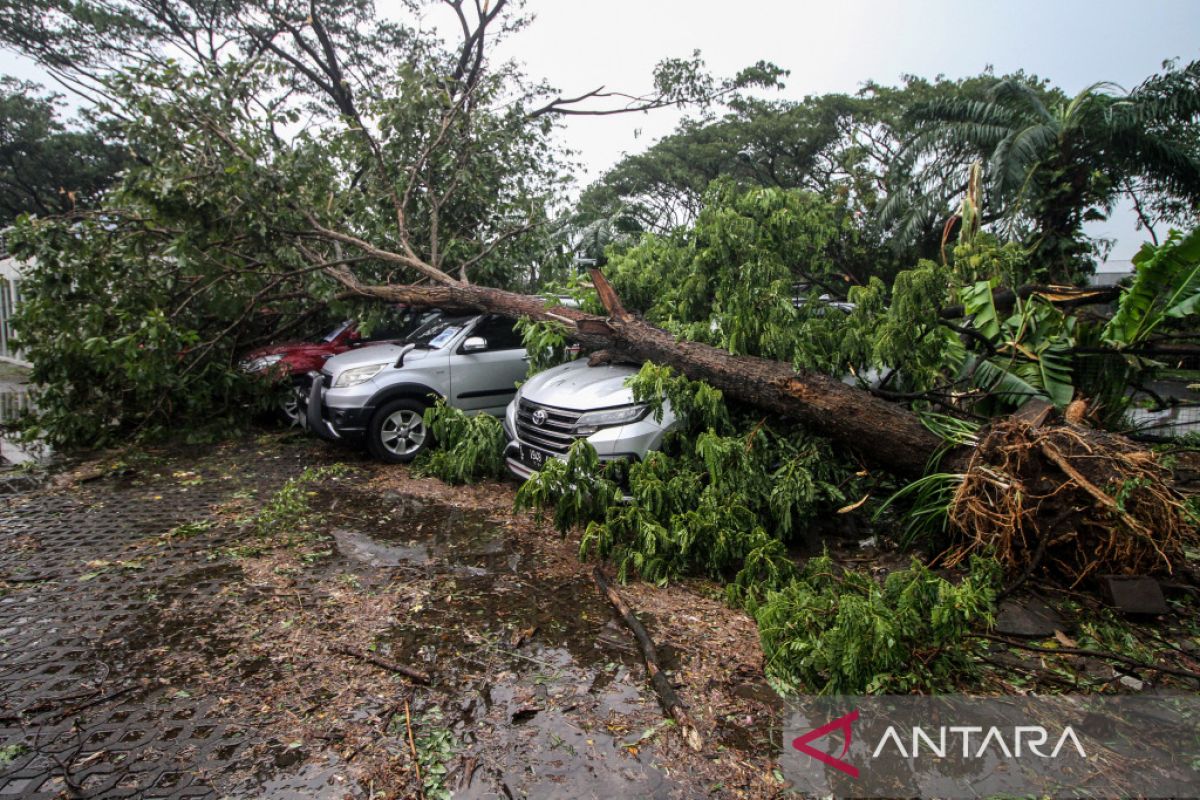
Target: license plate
(532, 457)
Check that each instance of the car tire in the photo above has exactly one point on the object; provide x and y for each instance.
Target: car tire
(292, 404)
(397, 433)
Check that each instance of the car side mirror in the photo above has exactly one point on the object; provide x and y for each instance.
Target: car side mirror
(474, 344)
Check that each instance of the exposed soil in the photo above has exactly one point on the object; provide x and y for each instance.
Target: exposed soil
(156, 644)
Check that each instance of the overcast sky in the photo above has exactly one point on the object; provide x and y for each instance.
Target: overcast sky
(832, 46)
(837, 45)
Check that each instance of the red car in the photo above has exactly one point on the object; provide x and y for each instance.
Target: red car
(292, 361)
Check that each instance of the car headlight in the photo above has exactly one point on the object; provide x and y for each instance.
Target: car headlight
(592, 421)
(353, 377)
(262, 362)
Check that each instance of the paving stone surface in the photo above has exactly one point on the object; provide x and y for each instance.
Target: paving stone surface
(84, 711)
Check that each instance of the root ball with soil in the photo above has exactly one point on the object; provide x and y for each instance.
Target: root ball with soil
(1074, 502)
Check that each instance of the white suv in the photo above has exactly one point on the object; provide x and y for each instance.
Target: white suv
(576, 401)
(378, 394)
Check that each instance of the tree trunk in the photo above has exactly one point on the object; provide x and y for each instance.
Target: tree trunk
(883, 432)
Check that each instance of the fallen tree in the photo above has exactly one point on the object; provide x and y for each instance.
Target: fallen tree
(1040, 491)
(435, 182)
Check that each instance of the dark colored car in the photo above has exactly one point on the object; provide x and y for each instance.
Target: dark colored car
(293, 361)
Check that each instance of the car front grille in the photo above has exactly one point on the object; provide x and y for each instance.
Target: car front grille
(554, 434)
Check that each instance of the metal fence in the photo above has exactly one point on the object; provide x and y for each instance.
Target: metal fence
(10, 296)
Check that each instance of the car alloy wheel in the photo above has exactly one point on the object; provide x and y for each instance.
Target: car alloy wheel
(402, 432)
(292, 407)
(397, 432)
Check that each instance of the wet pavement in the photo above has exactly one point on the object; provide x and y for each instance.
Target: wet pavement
(528, 658)
(151, 646)
(83, 711)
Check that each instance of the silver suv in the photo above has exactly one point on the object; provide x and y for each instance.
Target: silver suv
(575, 401)
(378, 394)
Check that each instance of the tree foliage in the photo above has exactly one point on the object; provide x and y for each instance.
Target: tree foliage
(1054, 163)
(734, 277)
(274, 145)
(1166, 286)
(466, 448)
(725, 496)
(46, 168)
(834, 631)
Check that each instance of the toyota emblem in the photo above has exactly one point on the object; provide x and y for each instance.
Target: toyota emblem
(539, 418)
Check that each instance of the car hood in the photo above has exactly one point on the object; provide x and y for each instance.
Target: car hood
(281, 349)
(373, 354)
(578, 387)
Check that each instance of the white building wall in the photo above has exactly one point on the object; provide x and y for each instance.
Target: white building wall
(10, 295)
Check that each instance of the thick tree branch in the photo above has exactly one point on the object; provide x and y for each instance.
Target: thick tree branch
(1059, 296)
(843, 413)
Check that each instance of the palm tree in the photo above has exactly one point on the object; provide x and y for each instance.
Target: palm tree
(1054, 163)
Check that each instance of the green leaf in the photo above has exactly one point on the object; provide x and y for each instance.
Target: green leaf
(1166, 285)
(979, 304)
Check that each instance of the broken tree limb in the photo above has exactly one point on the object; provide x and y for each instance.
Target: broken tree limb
(658, 679)
(1064, 297)
(1132, 663)
(384, 663)
(884, 432)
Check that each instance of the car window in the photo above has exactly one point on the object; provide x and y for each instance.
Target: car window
(500, 332)
(399, 325)
(438, 332)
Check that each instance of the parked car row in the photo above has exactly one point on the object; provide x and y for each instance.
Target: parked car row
(374, 394)
(293, 362)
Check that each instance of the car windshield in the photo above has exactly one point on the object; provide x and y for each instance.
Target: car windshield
(336, 332)
(437, 333)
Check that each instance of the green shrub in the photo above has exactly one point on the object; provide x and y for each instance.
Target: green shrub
(832, 631)
(468, 447)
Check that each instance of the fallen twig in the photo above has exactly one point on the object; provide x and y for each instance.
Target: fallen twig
(413, 745)
(96, 701)
(1079, 651)
(662, 687)
(408, 672)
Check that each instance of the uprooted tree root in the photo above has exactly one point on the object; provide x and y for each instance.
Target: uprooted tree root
(1069, 500)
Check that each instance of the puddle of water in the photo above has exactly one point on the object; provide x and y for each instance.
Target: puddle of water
(547, 687)
(402, 530)
(360, 547)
